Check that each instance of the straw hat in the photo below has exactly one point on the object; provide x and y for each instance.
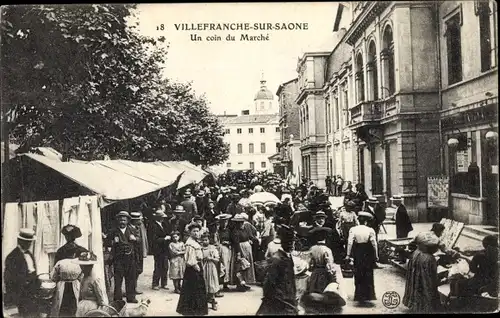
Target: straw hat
(223, 216)
(193, 225)
(201, 193)
(396, 198)
(159, 214)
(320, 214)
(238, 218)
(197, 218)
(245, 216)
(123, 213)
(87, 258)
(26, 234)
(372, 200)
(365, 214)
(179, 209)
(136, 216)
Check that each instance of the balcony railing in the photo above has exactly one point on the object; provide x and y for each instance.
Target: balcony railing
(372, 110)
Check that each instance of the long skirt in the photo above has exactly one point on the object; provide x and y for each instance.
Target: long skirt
(193, 297)
(248, 275)
(320, 278)
(364, 262)
(177, 267)
(421, 289)
(225, 261)
(272, 307)
(211, 276)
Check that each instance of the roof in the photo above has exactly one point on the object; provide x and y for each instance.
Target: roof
(12, 151)
(282, 85)
(251, 119)
(264, 93)
(123, 179)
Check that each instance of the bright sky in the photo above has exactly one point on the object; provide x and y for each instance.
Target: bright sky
(228, 73)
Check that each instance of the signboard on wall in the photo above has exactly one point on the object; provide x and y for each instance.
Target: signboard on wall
(462, 161)
(437, 191)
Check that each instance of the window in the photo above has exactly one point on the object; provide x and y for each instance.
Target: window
(277, 129)
(227, 131)
(263, 164)
(262, 130)
(240, 148)
(263, 147)
(372, 70)
(336, 114)
(346, 107)
(360, 79)
(387, 59)
(262, 105)
(250, 130)
(240, 163)
(484, 14)
(238, 131)
(228, 165)
(454, 49)
(250, 148)
(252, 165)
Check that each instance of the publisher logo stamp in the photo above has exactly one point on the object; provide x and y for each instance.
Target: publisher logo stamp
(391, 299)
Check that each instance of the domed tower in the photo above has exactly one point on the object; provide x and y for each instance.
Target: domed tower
(264, 99)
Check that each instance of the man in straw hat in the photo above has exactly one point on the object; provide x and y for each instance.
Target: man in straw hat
(160, 232)
(123, 243)
(279, 289)
(189, 205)
(20, 275)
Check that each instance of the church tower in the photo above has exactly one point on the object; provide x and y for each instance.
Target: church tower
(264, 100)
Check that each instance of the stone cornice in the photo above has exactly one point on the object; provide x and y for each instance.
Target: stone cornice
(368, 15)
(303, 59)
(308, 91)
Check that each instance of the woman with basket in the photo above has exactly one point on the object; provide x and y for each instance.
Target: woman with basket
(91, 295)
(242, 265)
(321, 262)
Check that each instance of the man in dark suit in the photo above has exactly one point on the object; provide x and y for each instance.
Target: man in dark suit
(20, 275)
(160, 234)
(124, 242)
(135, 225)
(189, 206)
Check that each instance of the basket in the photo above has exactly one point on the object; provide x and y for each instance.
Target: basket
(46, 287)
(347, 269)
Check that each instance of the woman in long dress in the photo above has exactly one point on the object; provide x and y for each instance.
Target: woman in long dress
(91, 294)
(362, 246)
(321, 262)
(421, 290)
(210, 272)
(224, 239)
(242, 264)
(193, 297)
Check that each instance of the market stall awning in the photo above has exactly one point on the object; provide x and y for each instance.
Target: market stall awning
(123, 179)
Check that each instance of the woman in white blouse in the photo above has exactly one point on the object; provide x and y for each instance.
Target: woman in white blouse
(193, 297)
(362, 246)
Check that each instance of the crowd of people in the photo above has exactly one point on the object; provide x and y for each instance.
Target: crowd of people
(215, 237)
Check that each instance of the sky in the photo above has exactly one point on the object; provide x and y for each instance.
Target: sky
(229, 72)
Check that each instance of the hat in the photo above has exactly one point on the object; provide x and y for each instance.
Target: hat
(201, 193)
(320, 214)
(245, 216)
(159, 214)
(72, 231)
(197, 218)
(320, 230)
(299, 265)
(179, 209)
(193, 225)
(123, 213)
(238, 218)
(223, 216)
(26, 234)
(372, 200)
(285, 231)
(396, 198)
(365, 214)
(87, 258)
(136, 215)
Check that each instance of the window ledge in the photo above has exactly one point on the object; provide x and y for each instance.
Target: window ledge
(462, 82)
(468, 197)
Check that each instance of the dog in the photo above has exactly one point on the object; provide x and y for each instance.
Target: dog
(139, 311)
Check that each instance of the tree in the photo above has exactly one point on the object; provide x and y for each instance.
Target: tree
(81, 80)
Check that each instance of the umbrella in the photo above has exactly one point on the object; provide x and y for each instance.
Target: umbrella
(263, 198)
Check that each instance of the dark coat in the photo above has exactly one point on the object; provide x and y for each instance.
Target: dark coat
(69, 250)
(19, 284)
(159, 246)
(190, 208)
(122, 247)
(403, 222)
(279, 289)
(138, 248)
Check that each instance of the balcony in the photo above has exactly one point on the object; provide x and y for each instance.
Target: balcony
(366, 112)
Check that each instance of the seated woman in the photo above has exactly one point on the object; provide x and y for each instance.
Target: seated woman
(484, 265)
(91, 294)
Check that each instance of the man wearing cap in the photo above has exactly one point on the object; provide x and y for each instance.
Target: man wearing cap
(70, 249)
(20, 275)
(279, 289)
(124, 242)
(160, 235)
(201, 203)
(374, 207)
(140, 249)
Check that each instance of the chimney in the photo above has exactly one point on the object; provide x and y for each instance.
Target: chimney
(245, 112)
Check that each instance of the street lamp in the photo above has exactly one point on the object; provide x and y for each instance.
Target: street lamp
(453, 142)
(491, 135)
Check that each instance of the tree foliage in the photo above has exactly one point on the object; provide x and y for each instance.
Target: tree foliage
(80, 79)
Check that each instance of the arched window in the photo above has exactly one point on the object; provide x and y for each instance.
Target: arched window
(372, 71)
(387, 58)
(360, 78)
(262, 105)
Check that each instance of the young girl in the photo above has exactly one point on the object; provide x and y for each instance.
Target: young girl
(177, 265)
(210, 273)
